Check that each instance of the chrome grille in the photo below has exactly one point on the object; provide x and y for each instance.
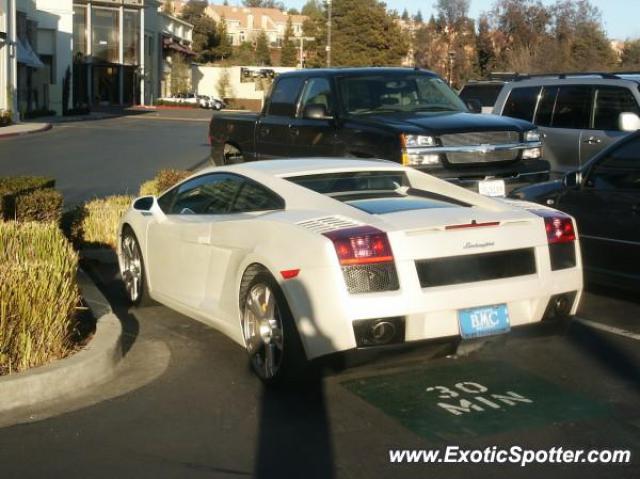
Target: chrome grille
(481, 138)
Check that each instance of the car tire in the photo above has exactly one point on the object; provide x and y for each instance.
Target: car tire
(271, 338)
(133, 270)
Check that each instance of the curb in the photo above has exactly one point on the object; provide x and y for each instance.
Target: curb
(46, 127)
(95, 363)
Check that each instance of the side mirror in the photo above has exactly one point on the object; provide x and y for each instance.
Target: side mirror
(316, 112)
(628, 122)
(572, 179)
(474, 105)
(144, 203)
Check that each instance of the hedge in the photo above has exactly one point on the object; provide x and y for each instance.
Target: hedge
(39, 205)
(95, 224)
(38, 295)
(14, 188)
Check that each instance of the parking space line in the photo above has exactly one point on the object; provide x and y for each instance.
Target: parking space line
(609, 329)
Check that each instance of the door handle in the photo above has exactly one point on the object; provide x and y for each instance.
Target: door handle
(592, 140)
(264, 131)
(294, 130)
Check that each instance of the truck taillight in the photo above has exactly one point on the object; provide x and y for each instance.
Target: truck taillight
(366, 258)
(361, 245)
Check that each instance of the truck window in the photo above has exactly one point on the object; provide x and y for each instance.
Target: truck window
(317, 92)
(485, 94)
(282, 101)
(522, 103)
(573, 107)
(609, 103)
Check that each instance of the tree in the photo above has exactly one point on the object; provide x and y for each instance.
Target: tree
(418, 17)
(223, 49)
(205, 32)
(263, 4)
(180, 75)
(263, 55)
(452, 11)
(244, 54)
(224, 85)
(363, 34)
(313, 9)
(484, 46)
(405, 15)
(288, 56)
(168, 7)
(630, 59)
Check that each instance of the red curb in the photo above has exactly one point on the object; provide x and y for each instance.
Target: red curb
(47, 127)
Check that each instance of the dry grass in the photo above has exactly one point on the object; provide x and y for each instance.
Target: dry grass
(38, 295)
(96, 222)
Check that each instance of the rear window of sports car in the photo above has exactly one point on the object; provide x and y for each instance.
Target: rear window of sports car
(375, 192)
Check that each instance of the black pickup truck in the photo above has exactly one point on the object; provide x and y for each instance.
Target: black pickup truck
(405, 115)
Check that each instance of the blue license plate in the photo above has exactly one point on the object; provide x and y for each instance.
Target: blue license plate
(484, 321)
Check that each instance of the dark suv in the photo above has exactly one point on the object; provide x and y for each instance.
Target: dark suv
(578, 115)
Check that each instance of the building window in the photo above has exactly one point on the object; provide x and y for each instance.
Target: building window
(131, 36)
(106, 34)
(79, 31)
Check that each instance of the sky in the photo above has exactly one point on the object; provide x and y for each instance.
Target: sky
(621, 17)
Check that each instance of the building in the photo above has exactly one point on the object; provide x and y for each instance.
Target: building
(85, 54)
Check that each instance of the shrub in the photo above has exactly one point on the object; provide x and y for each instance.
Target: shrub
(12, 187)
(166, 178)
(39, 205)
(5, 118)
(148, 188)
(96, 222)
(38, 295)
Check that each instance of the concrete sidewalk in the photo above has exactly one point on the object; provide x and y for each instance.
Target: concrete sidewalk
(23, 129)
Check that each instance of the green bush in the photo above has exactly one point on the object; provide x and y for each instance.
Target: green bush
(39, 205)
(38, 295)
(5, 118)
(95, 224)
(167, 178)
(12, 187)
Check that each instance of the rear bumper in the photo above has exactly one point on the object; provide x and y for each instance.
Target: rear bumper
(328, 317)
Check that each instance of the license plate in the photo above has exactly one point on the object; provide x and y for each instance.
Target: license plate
(492, 188)
(484, 321)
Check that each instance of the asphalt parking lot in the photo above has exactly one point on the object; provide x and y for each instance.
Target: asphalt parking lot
(184, 404)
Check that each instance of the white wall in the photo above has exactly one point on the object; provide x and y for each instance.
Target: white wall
(205, 81)
(4, 57)
(57, 15)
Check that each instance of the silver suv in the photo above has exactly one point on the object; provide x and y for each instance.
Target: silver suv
(578, 115)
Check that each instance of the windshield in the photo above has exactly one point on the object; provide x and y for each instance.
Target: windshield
(400, 92)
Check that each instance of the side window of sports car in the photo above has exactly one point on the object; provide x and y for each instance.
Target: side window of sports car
(255, 197)
(206, 195)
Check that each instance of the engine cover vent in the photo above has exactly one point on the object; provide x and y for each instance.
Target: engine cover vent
(328, 223)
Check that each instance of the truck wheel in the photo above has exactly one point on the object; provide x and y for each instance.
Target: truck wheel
(231, 155)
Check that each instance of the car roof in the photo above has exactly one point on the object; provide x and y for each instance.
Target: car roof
(622, 80)
(306, 166)
(355, 71)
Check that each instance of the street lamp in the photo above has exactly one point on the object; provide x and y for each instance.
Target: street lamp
(329, 32)
(302, 40)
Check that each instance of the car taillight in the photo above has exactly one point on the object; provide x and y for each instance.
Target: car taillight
(361, 245)
(559, 229)
(366, 258)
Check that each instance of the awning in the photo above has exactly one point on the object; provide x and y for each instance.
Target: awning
(170, 43)
(27, 56)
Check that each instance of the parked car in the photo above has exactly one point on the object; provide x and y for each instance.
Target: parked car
(578, 115)
(297, 259)
(405, 115)
(211, 102)
(604, 198)
(485, 92)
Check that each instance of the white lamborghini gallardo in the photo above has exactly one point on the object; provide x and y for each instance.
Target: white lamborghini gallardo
(296, 259)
